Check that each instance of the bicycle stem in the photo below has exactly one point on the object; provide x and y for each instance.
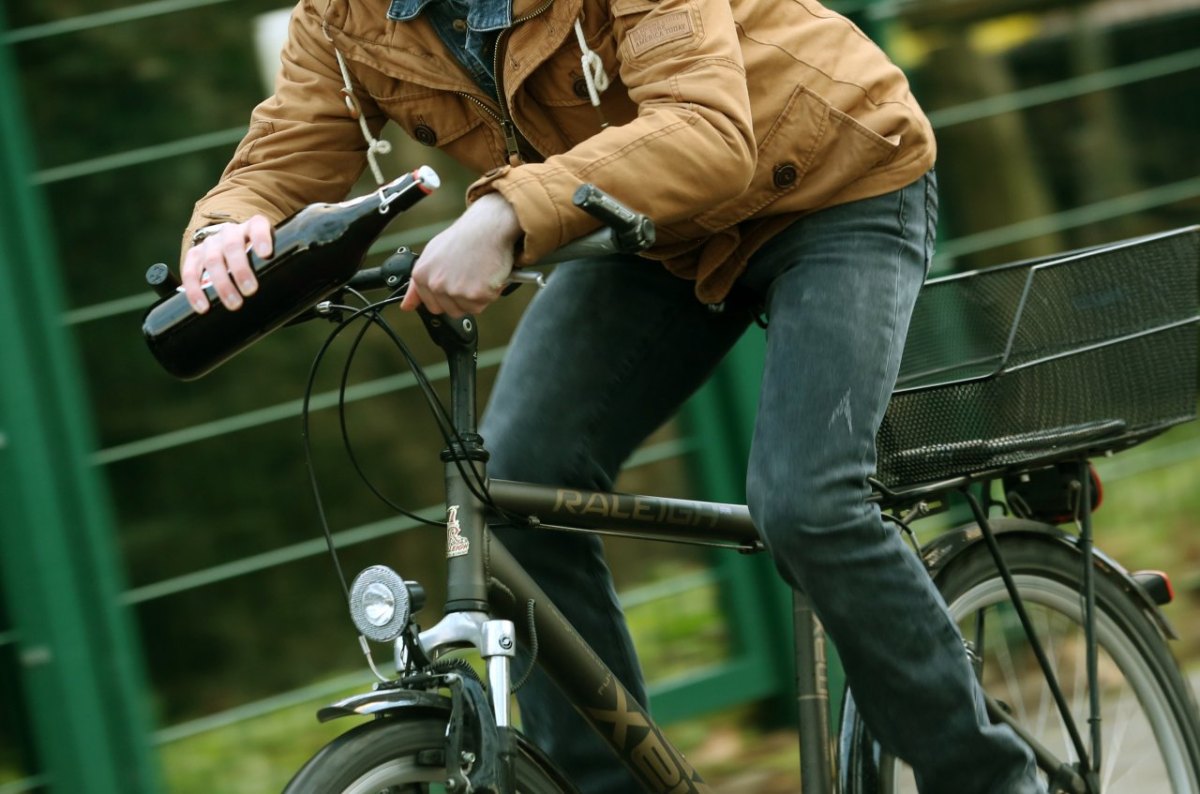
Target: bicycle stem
(465, 467)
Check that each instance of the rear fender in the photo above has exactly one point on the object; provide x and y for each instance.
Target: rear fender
(940, 551)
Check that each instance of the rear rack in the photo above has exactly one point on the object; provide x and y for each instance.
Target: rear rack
(1023, 364)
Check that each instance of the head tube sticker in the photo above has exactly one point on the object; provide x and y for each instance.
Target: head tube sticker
(456, 544)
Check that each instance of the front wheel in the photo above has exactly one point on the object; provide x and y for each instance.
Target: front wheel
(1150, 736)
(406, 755)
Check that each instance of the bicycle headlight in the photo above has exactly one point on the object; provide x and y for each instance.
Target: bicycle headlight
(380, 604)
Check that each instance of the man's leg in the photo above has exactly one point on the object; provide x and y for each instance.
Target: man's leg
(605, 354)
(842, 284)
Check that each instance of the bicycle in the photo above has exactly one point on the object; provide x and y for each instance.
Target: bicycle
(995, 407)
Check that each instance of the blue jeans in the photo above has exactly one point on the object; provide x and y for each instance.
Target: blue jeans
(608, 352)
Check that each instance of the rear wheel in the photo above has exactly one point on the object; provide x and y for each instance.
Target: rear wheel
(395, 755)
(1150, 737)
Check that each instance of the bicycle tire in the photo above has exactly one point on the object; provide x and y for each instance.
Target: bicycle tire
(1150, 736)
(406, 755)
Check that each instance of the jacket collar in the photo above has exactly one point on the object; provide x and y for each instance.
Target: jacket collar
(483, 16)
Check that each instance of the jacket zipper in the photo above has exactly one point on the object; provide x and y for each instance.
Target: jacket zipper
(511, 144)
(508, 125)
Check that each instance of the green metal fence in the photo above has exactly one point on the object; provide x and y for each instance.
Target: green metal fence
(73, 646)
(70, 629)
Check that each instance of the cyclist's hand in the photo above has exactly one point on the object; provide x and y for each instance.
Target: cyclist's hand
(221, 259)
(464, 269)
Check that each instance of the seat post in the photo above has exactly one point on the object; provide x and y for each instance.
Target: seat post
(812, 693)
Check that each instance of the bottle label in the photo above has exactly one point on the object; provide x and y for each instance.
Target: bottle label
(456, 544)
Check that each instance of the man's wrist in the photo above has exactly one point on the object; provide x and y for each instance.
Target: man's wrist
(204, 232)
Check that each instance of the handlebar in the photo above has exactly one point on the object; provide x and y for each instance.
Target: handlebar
(624, 231)
(325, 244)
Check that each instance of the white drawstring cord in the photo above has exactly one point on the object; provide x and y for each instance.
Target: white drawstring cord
(593, 68)
(374, 145)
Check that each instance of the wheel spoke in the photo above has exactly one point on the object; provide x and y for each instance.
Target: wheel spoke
(1149, 736)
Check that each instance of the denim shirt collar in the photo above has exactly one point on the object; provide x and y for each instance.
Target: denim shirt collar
(483, 16)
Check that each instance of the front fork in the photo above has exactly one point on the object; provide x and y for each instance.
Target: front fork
(496, 642)
(493, 770)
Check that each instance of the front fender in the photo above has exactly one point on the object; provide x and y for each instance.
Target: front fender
(382, 701)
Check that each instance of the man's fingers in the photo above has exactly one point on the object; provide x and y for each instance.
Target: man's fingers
(259, 232)
(412, 298)
(214, 252)
(189, 273)
(238, 265)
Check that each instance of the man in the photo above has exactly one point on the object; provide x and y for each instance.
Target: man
(788, 169)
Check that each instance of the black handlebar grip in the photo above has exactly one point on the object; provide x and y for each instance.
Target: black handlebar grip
(162, 280)
(632, 231)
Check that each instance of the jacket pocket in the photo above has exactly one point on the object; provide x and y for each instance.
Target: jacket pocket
(810, 153)
(434, 120)
(431, 117)
(559, 82)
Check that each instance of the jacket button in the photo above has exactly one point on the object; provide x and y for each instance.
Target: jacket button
(580, 89)
(425, 134)
(784, 175)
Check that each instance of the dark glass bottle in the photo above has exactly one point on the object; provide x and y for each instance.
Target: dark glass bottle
(316, 252)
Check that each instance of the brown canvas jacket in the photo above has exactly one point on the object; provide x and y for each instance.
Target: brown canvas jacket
(725, 120)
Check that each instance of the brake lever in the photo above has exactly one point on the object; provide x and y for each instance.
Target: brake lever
(519, 277)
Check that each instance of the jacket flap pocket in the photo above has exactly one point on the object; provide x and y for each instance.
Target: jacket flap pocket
(808, 154)
(433, 118)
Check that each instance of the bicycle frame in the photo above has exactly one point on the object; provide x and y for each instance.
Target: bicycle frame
(475, 561)
(487, 591)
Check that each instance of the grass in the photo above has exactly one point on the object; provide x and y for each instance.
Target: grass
(255, 755)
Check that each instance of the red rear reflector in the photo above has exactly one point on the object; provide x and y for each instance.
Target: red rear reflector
(1157, 585)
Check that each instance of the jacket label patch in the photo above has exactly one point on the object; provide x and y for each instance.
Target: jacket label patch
(660, 30)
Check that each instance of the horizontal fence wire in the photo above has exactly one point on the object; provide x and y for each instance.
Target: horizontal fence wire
(1069, 88)
(140, 302)
(1024, 99)
(276, 557)
(1096, 212)
(323, 690)
(281, 411)
(947, 117)
(1144, 460)
(349, 537)
(139, 156)
(102, 19)
(25, 784)
(319, 691)
(635, 597)
(142, 11)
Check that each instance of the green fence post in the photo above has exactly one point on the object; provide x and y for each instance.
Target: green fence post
(80, 669)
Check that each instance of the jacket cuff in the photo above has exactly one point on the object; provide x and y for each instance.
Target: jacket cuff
(548, 220)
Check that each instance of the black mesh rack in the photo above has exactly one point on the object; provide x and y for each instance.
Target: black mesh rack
(1083, 352)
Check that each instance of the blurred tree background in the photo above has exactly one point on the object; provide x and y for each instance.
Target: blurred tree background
(1062, 124)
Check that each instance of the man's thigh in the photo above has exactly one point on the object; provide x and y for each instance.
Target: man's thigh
(605, 354)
